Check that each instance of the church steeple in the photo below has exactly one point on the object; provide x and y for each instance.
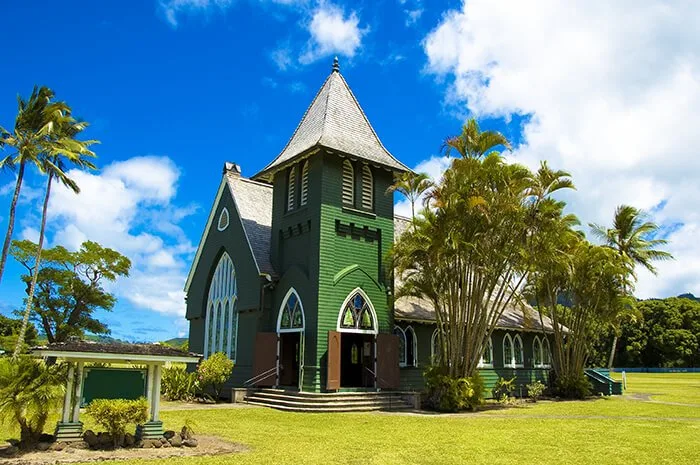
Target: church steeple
(334, 120)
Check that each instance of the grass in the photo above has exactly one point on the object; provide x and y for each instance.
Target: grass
(666, 387)
(607, 431)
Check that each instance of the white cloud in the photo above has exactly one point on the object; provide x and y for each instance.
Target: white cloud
(173, 8)
(282, 57)
(332, 32)
(412, 16)
(129, 207)
(612, 94)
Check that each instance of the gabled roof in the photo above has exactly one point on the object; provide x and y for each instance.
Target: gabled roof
(334, 120)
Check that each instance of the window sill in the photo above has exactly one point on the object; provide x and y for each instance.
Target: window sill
(514, 366)
(355, 211)
(295, 211)
(485, 365)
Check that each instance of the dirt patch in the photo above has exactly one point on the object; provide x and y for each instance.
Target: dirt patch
(208, 445)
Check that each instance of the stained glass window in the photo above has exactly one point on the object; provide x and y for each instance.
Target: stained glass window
(357, 314)
(507, 351)
(537, 352)
(402, 345)
(487, 356)
(292, 314)
(547, 353)
(518, 350)
(221, 324)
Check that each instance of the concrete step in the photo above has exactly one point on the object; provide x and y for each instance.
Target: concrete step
(324, 408)
(327, 397)
(327, 402)
(290, 402)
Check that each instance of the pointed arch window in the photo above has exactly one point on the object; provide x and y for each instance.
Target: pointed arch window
(291, 317)
(221, 320)
(546, 353)
(435, 347)
(357, 315)
(486, 360)
(537, 360)
(291, 188)
(402, 345)
(348, 183)
(305, 184)
(367, 188)
(411, 347)
(508, 351)
(223, 219)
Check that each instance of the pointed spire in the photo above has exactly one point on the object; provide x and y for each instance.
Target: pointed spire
(336, 66)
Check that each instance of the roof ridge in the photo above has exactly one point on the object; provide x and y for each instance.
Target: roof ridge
(253, 181)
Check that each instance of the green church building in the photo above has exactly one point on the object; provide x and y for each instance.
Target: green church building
(291, 278)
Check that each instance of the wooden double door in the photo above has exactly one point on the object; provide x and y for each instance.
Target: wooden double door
(357, 360)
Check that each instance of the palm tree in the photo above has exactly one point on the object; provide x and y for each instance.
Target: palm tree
(632, 236)
(34, 126)
(474, 143)
(411, 185)
(61, 149)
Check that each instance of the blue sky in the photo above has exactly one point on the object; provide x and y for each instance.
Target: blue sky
(175, 88)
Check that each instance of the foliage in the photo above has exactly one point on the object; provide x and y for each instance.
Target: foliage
(116, 414)
(214, 372)
(9, 330)
(535, 390)
(179, 384)
(504, 389)
(463, 255)
(70, 286)
(572, 385)
(472, 142)
(411, 185)
(30, 391)
(448, 394)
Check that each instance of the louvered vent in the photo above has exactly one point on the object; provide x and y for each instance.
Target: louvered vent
(348, 183)
(305, 184)
(367, 188)
(291, 190)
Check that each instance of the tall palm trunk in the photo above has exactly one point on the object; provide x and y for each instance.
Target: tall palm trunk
(612, 352)
(35, 273)
(11, 219)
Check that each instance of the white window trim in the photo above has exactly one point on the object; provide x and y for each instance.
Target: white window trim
(522, 352)
(291, 188)
(367, 189)
(549, 349)
(402, 335)
(414, 362)
(489, 345)
(372, 312)
(222, 290)
(279, 314)
(224, 211)
(432, 346)
(351, 202)
(538, 346)
(304, 184)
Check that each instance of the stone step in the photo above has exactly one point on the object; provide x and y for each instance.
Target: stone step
(292, 402)
(323, 408)
(327, 397)
(327, 401)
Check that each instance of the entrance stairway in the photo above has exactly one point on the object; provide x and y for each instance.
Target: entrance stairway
(327, 402)
(602, 382)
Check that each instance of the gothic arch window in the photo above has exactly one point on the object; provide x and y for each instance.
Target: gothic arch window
(537, 359)
(291, 315)
(291, 188)
(367, 188)
(305, 184)
(508, 360)
(486, 360)
(348, 183)
(402, 345)
(221, 322)
(411, 347)
(223, 219)
(518, 356)
(546, 353)
(435, 347)
(357, 314)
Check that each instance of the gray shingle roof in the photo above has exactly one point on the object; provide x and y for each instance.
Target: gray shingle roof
(335, 120)
(254, 203)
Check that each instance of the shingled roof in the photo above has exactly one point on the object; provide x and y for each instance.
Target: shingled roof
(336, 121)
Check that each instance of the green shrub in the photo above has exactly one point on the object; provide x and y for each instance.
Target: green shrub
(116, 414)
(447, 394)
(572, 386)
(214, 372)
(30, 391)
(503, 390)
(179, 384)
(535, 390)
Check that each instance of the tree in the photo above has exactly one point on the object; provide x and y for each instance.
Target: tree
(411, 185)
(69, 286)
(34, 128)
(632, 237)
(474, 143)
(61, 148)
(9, 330)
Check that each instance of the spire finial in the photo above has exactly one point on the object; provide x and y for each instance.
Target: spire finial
(336, 66)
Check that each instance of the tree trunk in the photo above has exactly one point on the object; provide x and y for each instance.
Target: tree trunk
(35, 273)
(612, 352)
(11, 220)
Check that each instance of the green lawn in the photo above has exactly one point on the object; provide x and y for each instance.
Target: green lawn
(609, 431)
(667, 387)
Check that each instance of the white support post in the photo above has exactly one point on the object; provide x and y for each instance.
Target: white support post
(65, 417)
(149, 388)
(156, 393)
(78, 394)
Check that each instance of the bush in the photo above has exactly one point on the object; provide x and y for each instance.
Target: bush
(30, 391)
(535, 390)
(179, 384)
(116, 414)
(503, 390)
(214, 372)
(447, 394)
(572, 386)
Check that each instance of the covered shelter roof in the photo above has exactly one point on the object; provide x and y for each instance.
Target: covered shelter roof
(89, 351)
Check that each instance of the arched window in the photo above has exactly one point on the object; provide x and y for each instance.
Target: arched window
(221, 322)
(411, 347)
(435, 347)
(518, 355)
(223, 219)
(367, 188)
(291, 315)
(402, 345)
(487, 355)
(508, 351)
(537, 359)
(305, 184)
(546, 353)
(291, 188)
(348, 183)
(357, 314)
